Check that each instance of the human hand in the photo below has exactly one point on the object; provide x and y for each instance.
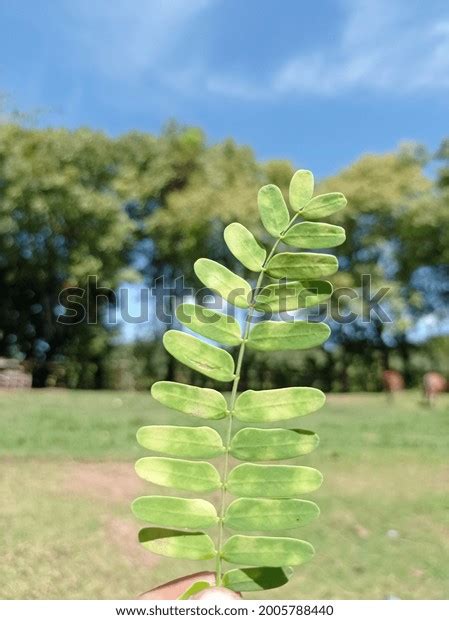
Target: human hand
(174, 589)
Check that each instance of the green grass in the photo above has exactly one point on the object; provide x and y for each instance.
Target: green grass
(67, 480)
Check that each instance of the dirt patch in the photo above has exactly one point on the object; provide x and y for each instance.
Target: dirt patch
(123, 533)
(114, 482)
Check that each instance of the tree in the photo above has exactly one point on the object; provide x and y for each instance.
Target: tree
(60, 222)
(383, 192)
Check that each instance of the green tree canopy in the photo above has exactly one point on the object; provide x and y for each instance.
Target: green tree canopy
(60, 221)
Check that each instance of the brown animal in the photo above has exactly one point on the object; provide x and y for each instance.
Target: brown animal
(433, 384)
(393, 381)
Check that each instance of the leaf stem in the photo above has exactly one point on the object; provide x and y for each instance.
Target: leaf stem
(235, 385)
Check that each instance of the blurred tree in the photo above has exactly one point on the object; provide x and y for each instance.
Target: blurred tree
(382, 193)
(425, 228)
(74, 204)
(424, 248)
(59, 223)
(223, 184)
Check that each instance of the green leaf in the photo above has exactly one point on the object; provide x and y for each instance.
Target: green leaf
(250, 480)
(201, 356)
(256, 578)
(195, 588)
(324, 205)
(228, 285)
(273, 210)
(248, 514)
(179, 474)
(177, 544)
(211, 324)
(315, 235)
(199, 442)
(175, 511)
(287, 296)
(243, 245)
(267, 550)
(272, 444)
(302, 265)
(281, 336)
(199, 402)
(301, 189)
(275, 405)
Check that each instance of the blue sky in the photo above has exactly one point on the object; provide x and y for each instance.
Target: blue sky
(316, 82)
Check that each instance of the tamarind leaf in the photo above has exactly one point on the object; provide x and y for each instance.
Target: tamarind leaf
(178, 473)
(272, 444)
(175, 511)
(280, 336)
(254, 480)
(266, 550)
(205, 358)
(199, 402)
(265, 492)
(279, 404)
(221, 280)
(302, 265)
(184, 441)
(324, 205)
(250, 514)
(211, 324)
(314, 235)
(301, 189)
(243, 245)
(177, 544)
(195, 588)
(286, 296)
(256, 578)
(273, 210)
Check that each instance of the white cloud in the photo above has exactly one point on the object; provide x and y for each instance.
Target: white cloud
(124, 39)
(390, 46)
(383, 46)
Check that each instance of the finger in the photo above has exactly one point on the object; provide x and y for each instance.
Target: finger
(173, 589)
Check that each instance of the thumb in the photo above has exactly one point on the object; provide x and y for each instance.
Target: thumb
(216, 593)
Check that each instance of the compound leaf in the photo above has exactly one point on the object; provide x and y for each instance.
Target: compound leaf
(280, 336)
(211, 324)
(243, 245)
(250, 480)
(201, 356)
(301, 189)
(272, 444)
(266, 492)
(273, 210)
(249, 514)
(324, 205)
(256, 578)
(175, 511)
(267, 550)
(315, 235)
(197, 476)
(199, 402)
(302, 265)
(228, 285)
(199, 442)
(280, 404)
(177, 544)
(287, 296)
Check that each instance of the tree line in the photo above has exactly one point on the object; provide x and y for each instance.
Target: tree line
(137, 207)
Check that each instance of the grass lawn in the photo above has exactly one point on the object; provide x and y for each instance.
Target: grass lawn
(66, 480)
